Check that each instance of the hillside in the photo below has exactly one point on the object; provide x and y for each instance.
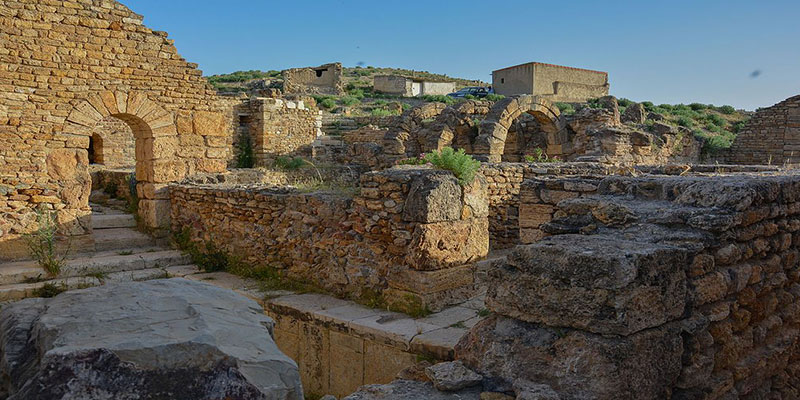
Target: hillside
(717, 126)
(357, 76)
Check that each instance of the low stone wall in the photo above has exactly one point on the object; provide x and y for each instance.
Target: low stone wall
(410, 234)
(505, 182)
(678, 287)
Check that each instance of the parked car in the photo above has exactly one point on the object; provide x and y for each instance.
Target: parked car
(477, 91)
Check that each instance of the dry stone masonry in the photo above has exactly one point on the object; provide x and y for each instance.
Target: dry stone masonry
(68, 65)
(411, 234)
(680, 287)
(772, 136)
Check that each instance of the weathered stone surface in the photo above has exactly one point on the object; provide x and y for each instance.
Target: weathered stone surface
(406, 390)
(434, 196)
(514, 354)
(168, 338)
(634, 113)
(452, 376)
(609, 286)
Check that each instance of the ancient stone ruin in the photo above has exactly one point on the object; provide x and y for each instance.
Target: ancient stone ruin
(571, 251)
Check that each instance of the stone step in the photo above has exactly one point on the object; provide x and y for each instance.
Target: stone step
(99, 263)
(106, 221)
(120, 239)
(20, 291)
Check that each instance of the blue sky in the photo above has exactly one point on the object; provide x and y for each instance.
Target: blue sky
(665, 52)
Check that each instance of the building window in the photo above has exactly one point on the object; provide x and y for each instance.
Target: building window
(319, 73)
(502, 80)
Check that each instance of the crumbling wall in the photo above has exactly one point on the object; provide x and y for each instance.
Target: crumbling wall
(58, 79)
(681, 287)
(279, 127)
(325, 79)
(772, 136)
(411, 234)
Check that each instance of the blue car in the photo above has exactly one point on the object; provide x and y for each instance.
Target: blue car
(477, 91)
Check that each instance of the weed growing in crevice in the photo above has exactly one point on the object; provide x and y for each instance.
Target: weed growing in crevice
(42, 244)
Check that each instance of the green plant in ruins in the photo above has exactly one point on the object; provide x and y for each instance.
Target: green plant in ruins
(461, 164)
(42, 244)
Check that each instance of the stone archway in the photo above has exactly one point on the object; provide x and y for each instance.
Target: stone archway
(493, 131)
(155, 133)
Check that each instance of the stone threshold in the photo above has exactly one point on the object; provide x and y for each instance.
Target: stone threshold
(432, 336)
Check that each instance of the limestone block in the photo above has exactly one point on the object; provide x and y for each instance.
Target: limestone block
(210, 124)
(152, 191)
(193, 341)
(446, 244)
(577, 364)
(423, 282)
(598, 283)
(155, 213)
(347, 363)
(434, 196)
(168, 170)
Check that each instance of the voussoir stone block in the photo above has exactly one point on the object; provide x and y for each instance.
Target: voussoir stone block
(597, 283)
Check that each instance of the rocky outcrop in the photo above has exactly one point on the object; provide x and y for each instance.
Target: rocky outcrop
(160, 339)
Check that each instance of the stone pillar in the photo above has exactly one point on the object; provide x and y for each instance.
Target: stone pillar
(438, 230)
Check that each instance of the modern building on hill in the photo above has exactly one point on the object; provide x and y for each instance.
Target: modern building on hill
(410, 87)
(561, 83)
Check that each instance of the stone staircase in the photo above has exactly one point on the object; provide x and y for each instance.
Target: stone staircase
(121, 254)
(335, 125)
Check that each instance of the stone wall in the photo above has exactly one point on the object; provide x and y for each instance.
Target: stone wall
(392, 84)
(279, 127)
(112, 144)
(64, 66)
(411, 234)
(681, 287)
(772, 136)
(325, 79)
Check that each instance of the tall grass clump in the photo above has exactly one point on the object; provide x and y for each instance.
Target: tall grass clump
(42, 244)
(463, 166)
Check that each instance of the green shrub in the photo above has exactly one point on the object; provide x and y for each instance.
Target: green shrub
(42, 244)
(697, 106)
(494, 97)
(380, 103)
(380, 112)
(243, 76)
(328, 104)
(406, 106)
(539, 156)
(461, 164)
(357, 93)
(726, 109)
(566, 108)
(685, 121)
(289, 163)
(349, 101)
(648, 105)
(716, 119)
(49, 290)
(439, 98)
(623, 102)
(738, 126)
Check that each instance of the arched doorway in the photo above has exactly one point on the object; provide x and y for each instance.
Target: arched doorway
(112, 144)
(155, 145)
(490, 145)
